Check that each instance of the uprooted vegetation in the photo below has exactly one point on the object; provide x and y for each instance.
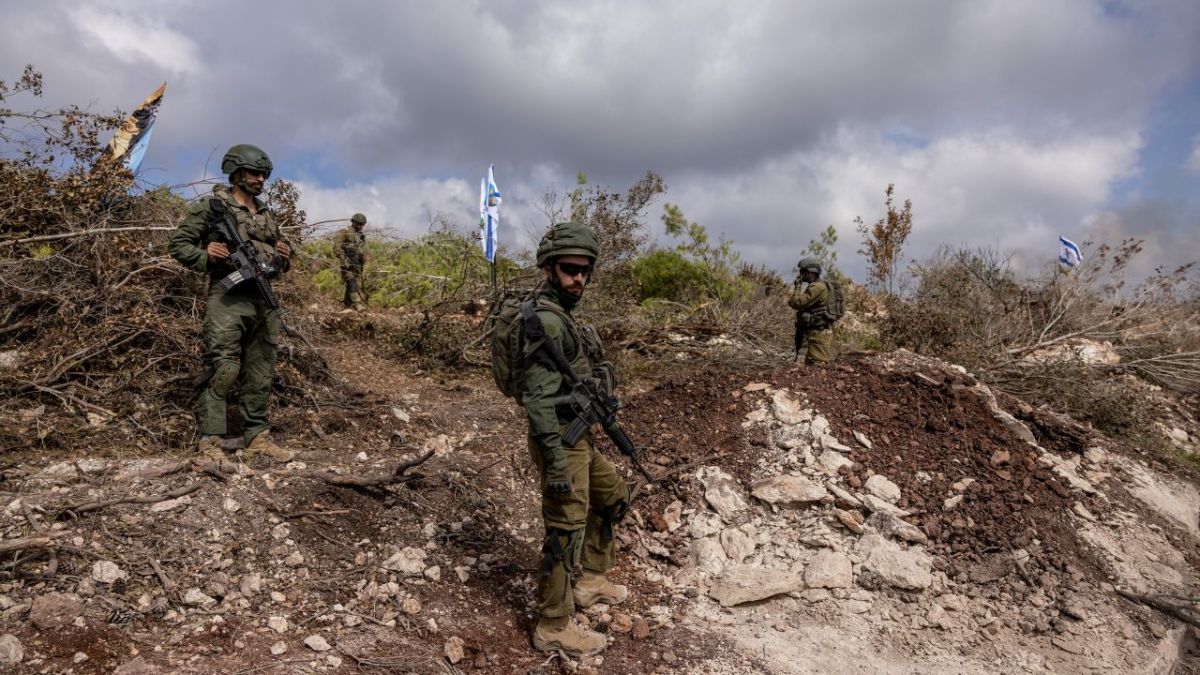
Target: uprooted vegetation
(1082, 342)
(100, 329)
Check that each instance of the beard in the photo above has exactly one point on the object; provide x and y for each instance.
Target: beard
(253, 189)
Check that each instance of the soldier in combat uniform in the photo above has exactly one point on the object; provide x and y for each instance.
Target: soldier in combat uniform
(814, 334)
(582, 494)
(241, 336)
(350, 246)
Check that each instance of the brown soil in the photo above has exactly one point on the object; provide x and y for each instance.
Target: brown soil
(931, 431)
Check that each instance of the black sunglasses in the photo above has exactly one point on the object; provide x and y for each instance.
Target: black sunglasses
(571, 269)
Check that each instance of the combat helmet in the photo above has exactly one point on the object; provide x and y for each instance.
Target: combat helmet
(358, 219)
(809, 265)
(568, 239)
(245, 156)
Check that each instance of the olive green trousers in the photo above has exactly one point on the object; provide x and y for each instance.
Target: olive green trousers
(354, 296)
(818, 347)
(579, 527)
(241, 340)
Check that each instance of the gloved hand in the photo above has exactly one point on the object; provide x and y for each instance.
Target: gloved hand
(558, 480)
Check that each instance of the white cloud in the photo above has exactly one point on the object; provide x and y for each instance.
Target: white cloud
(1005, 121)
(975, 189)
(404, 207)
(396, 206)
(138, 39)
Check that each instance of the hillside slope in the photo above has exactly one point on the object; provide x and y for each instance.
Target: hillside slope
(882, 515)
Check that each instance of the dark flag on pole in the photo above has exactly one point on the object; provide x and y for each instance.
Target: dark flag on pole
(129, 144)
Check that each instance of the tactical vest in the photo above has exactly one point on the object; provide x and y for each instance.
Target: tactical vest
(823, 317)
(259, 227)
(583, 349)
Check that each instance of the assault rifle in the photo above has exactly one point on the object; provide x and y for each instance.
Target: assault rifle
(593, 405)
(247, 264)
(588, 400)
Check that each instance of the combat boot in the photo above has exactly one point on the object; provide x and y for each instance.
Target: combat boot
(210, 447)
(562, 633)
(264, 445)
(593, 587)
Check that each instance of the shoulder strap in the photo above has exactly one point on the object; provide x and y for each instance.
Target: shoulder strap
(535, 331)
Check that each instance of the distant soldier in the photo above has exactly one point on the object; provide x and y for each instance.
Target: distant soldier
(240, 333)
(350, 246)
(818, 305)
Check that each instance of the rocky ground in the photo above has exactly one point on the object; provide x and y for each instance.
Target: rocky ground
(885, 514)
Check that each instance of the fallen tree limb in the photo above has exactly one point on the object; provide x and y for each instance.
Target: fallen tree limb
(87, 507)
(154, 472)
(304, 514)
(52, 567)
(40, 541)
(167, 584)
(399, 475)
(1184, 613)
(82, 233)
(682, 468)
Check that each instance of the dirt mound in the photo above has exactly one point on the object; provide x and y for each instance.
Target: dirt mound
(934, 434)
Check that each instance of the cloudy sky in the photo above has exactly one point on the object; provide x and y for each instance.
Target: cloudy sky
(1007, 122)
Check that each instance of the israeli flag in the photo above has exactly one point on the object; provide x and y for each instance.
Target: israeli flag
(489, 214)
(1068, 253)
(138, 152)
(128, 144)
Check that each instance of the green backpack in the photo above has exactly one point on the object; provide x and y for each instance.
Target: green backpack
(508, 358)
(823, 317)
(835, 305)
(509, 326)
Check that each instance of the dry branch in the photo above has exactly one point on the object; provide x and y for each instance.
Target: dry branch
(52, 567)
(1183, 612)
(167, 584)
(88, 507)
(81, 233)
(154, 472)
(399, 475)
(40, 541)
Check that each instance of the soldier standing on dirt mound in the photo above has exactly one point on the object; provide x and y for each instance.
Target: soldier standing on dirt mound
(582, 495)
(241, 336)
(810, 299)
(350, 246)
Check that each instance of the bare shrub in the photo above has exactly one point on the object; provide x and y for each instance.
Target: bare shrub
(101, 326)
(884, 240)
(1063, 338)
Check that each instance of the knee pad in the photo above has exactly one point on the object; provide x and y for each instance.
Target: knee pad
(223, 379)
(611, 515)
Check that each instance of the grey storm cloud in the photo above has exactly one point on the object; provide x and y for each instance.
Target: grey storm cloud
(1003, 120)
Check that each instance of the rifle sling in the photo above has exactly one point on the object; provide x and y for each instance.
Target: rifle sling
(535, 331)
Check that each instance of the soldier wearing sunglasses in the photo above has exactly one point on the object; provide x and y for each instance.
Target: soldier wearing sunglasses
(583, 497)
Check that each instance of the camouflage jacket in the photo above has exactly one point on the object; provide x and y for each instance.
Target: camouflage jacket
(807, 299)
(196, 232)
(542, 382)
(350, 247)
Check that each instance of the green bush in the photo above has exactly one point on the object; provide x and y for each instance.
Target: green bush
(666, 274)
(437, 267)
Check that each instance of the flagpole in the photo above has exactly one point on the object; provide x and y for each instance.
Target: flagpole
(495, 291)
